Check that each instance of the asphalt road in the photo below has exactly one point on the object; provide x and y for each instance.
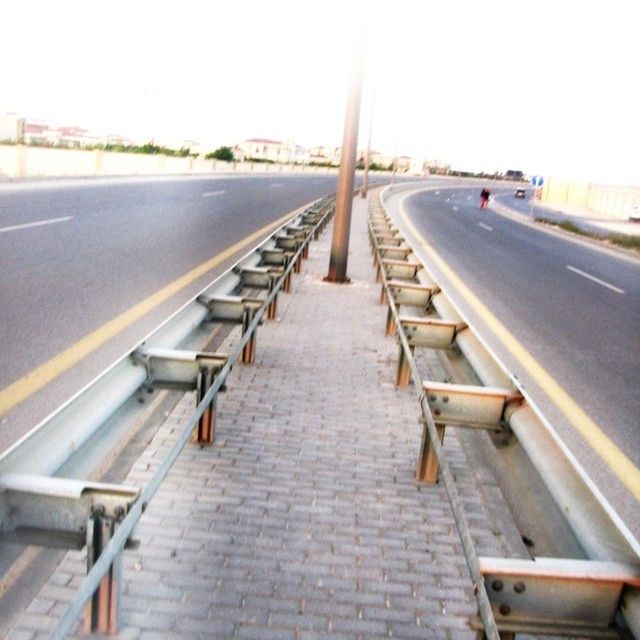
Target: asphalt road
(76, 254)
(575, 308)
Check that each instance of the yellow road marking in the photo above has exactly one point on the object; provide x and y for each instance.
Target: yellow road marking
(626, 471)
(33, 381)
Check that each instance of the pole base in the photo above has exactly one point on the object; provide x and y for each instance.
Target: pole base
(330, 278)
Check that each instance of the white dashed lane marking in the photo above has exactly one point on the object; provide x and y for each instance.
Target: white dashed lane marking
(602, 283)
(30, 225)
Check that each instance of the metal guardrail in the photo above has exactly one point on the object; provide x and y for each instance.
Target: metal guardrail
(41, 502)
(560, 596)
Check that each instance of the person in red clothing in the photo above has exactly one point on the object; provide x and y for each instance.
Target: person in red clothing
(484, 198)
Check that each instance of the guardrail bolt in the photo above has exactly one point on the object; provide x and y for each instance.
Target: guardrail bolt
(505, 609)
(519, 587)
(99, 510)
(497, 585)
(119, 513)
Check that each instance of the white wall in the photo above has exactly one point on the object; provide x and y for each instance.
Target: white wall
(19, 161)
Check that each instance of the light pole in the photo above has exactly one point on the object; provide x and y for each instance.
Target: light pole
(367, 160)
(344, 193)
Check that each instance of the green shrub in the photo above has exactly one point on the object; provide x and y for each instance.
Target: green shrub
(260, 160)
(221, 153)
(619, 239)
(629, 242)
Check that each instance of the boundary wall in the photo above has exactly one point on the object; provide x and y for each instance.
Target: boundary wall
(20, 161)
(607, 201)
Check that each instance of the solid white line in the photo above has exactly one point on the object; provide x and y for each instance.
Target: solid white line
(208, 194)
(594, 279)
(28, 225)
(485, 226)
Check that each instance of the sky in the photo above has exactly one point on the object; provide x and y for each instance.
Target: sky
(548, 87)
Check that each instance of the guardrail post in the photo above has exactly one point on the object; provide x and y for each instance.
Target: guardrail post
(286, 285)
(272, 309)
(403, 372)
(249, 350)
(205, 433)
(103, 610)
(390, 327)
(427, 468)
(383, 295)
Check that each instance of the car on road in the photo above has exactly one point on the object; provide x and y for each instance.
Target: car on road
(520, 193)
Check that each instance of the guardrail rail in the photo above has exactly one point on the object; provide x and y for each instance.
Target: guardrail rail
(594, 595)
(44, 498)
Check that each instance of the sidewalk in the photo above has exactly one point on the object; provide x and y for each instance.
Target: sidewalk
(303, 520)
(583, 218)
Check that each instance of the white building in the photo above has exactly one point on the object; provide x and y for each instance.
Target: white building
(11, 127)
(325, 155)
(265, 149)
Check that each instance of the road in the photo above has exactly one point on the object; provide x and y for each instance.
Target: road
(575, 308)
(74, 255)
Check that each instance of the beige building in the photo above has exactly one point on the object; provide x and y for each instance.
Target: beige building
(436, 167)
(325, 155)
(403, 163)
(264, 149)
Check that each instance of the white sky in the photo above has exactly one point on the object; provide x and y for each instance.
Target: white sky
(550, 87)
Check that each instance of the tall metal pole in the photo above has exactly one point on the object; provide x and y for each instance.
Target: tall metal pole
(367, 160)
(344, 193)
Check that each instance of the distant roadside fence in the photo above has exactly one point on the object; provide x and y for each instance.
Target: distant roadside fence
(20, 161)
(604, 200)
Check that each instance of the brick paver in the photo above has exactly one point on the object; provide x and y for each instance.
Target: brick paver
(303, 521)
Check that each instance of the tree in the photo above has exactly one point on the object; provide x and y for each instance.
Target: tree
(222, 153)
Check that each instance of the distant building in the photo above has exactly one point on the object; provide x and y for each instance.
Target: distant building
(38, 132)
(513, 174)
(417, 168)
(11, 128)
(325, 155)
(116, 138)
(264, 149)
(300, 155)
(403, 163)
(75, 137)
(380, 159)
(437, 167)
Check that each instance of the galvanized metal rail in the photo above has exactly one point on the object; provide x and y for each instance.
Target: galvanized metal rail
(561, 596)
(43, 502)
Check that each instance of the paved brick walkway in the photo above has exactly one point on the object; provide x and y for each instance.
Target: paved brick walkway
(303, 521)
